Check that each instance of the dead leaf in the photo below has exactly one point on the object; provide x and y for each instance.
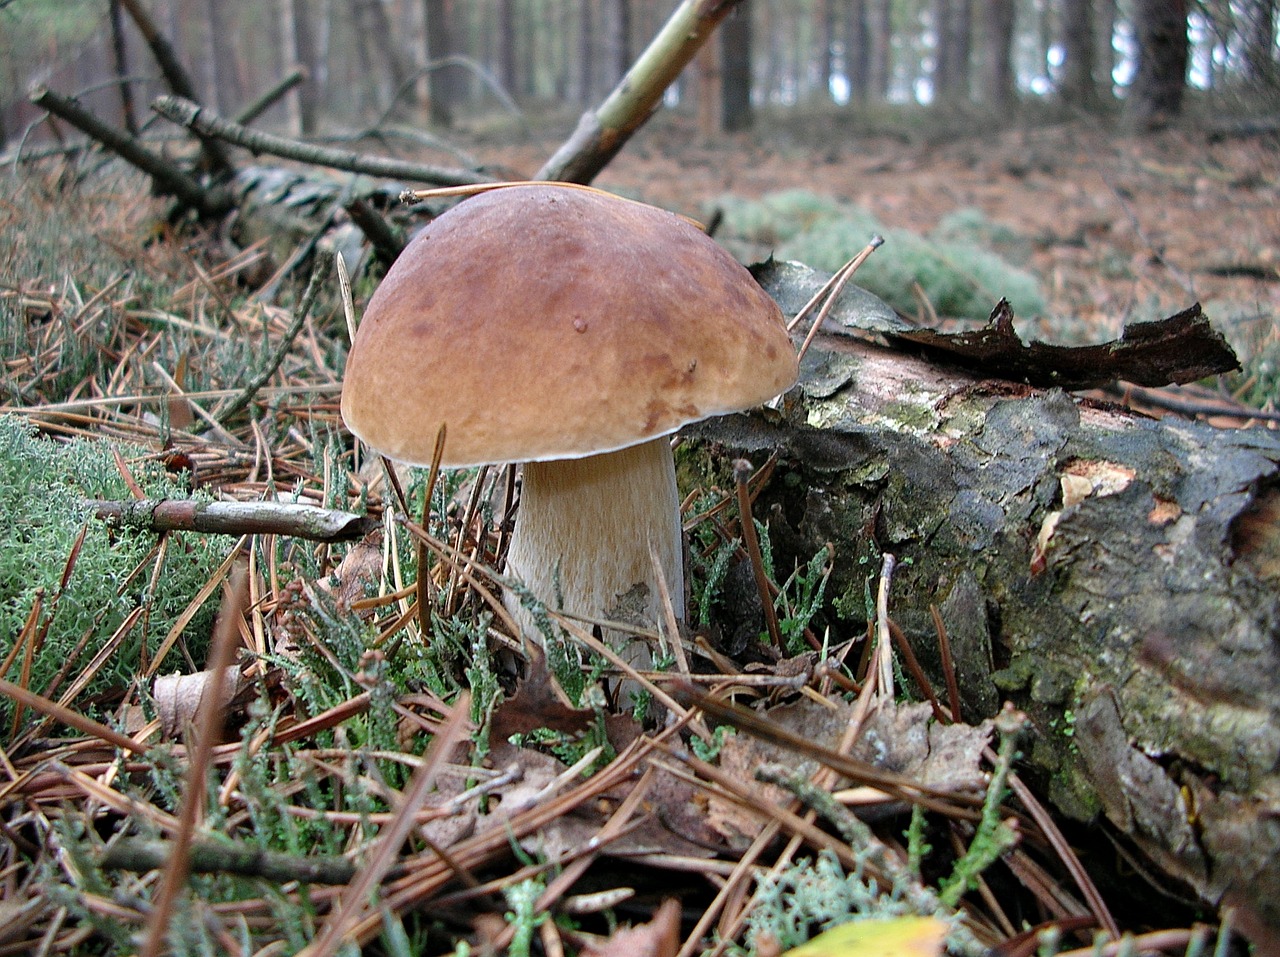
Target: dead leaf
(903, 739)
(658, 938)
(359, 569)
(887, 937)
(178, 698)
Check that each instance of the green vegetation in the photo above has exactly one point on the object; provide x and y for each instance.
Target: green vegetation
(68, 582)
(957, 268)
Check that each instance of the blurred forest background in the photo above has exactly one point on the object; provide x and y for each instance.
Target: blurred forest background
(450, 62)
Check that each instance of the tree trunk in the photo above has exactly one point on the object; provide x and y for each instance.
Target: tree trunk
(1104, 28)
(619, 36)
(1160, 28)
(954, 27)
(827, 45)
(1115, 577)
(995, 65)
(506, 37)
(856, 49)
(1259, 28)
(1077, 85)
(879, 48)
(221, 81)
(735, 70)
(586, 54)
(438, 46)
(297, 22)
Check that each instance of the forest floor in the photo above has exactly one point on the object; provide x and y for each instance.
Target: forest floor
(1116, 226)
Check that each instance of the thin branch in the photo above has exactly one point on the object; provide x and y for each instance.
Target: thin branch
(209, 202)
(319, 274)
(237, 518)
(271, 95)
(604, 131)
(201, 120)
(208, 857)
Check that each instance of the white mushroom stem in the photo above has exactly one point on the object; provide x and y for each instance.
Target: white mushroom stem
(584, 530)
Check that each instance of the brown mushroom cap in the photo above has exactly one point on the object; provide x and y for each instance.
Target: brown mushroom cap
(543, 322)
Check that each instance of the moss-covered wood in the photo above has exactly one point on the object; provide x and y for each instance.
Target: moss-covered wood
(1112, 575)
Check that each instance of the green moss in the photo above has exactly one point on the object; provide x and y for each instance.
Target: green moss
(43, 488)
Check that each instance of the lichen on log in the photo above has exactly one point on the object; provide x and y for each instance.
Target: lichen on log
(1112, 575)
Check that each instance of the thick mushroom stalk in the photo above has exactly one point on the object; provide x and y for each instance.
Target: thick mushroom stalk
(584, 532)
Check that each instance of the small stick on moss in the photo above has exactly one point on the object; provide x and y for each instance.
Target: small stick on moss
(741, 472)
(324, 260)
(237, 518)
(208, 857)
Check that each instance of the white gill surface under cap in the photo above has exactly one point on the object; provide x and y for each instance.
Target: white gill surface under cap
(545, 322)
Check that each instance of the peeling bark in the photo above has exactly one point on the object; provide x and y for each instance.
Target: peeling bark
(1113, 576)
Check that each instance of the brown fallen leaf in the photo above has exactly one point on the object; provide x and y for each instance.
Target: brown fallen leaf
(178, 698)
(904, 739)
(658, 938)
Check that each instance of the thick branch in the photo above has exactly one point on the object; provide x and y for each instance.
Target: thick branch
(201, 120)
(237, 518)
(168, 179)
(602, 133)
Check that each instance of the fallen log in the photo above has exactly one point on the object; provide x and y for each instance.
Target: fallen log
(1114, 576)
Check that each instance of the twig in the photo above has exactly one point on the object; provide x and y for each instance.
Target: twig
(210, 202)
(741, 472)
(292, 519)
(386, 240)
(207, 857)
(948, 664)
(603, 132)
(836, 284)
(201, 120)
(270, 96)
(72, 719)
(319, 273)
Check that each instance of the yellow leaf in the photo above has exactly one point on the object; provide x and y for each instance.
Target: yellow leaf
(891, 937)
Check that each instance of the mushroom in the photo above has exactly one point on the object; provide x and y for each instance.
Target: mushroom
(571, 331)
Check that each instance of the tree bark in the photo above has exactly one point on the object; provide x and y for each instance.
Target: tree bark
(1160, 27)
(735, 71)
(1104, 29)
(1077, 85)
(1259, 29)
(438, 46)
(880, 48)
(300, 47)
(1115, 577)
(995, 64)
(856, 49)
(954, 27)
